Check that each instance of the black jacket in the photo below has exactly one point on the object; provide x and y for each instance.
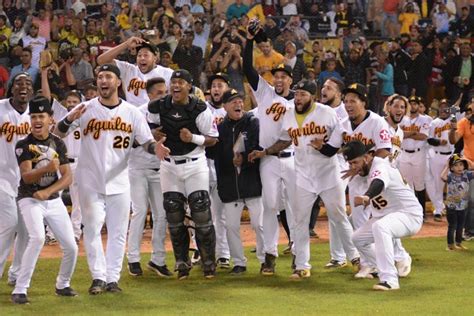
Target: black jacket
(232, 185)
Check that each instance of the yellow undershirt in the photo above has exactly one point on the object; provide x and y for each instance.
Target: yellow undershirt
(300, 117)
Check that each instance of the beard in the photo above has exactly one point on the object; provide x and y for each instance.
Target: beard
(305, 107)
(394, 120)
(215, 103)
(365, 170)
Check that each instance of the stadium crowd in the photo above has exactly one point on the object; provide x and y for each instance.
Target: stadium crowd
(376, 53)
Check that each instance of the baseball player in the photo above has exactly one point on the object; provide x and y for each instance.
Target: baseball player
(331, 94)
(188, 125)
(109, 127)
(396, 212)
(219, 84)
(143, 170)
(40, 156)
(277, 170)
(316, 174)
(134, 77)
(15, 125)
(369, 128)
(438, 154)
(413, 158)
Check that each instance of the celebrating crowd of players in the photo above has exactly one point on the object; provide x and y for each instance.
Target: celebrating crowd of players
(166, 149)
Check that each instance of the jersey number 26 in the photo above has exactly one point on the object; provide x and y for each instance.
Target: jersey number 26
(121, 142)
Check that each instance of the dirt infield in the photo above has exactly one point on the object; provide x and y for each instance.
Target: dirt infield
(430, 229)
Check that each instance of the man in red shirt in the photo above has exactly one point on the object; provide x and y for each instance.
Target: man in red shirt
(390, 17)
(3, 81)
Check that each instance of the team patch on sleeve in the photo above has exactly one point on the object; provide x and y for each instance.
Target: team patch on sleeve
(385, 135)
(375, 174)
(19, 151)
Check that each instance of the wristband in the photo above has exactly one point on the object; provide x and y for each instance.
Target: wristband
(63, 125)
(198, 139)
(151, 148)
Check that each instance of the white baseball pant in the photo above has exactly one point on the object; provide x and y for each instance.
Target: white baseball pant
(146, 190)
(276, 174)
(334, 201)
(114, 211)
(11, 223)
(381, 232)
(54, 213)
(233, 213)
(219, 218)
(434, 184)
(185, 178)
(76, 217)
(412, 166)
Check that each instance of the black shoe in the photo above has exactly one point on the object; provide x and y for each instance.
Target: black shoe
(293, 262)
(113, 287)
(237, 270)
(20, 299)
(253, 250)
(268, 267)
(97, 287)
(183, 271)
(223, 263)
(312, 234)
(438, 218)
(160, 270)
(209, 274)
(135, 269)
(67, 291)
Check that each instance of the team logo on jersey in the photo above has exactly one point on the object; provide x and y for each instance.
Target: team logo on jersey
(307, 130)
(439, 130)
(135, 85)
(411, 128)
(396, 141)
(374, 174)
(176, 115)
(115, 124)
(277, 110)
(384, 135)
(8, 130)
(357, 136)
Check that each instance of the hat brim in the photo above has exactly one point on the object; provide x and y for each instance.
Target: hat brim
(214, 77)
(349, 90)
(274, 71)
(233, 97)
(148, 46)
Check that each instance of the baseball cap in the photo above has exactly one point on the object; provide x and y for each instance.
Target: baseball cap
(230, 95)
(455, 159)
(148, 45)
(358, 89)
(306, 85)
(197, 21)
(283, 67)
(415, 99)
(182, 74)
(111, 68)
(124, 5)
(354, 149)
(219, 75)
(40, 105)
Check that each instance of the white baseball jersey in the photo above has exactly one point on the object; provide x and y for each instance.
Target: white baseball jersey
(139, 158)
(73, 140)
(397, 196)
(13, 127)
(314, 171)
(420, 124)
(271, 110)
(134, 81)
(372, 130)
(396, 136)
(107, 138)
(341, 112)
(218, 114)
(439, 129)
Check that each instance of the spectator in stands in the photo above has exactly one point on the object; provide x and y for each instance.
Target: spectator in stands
(354, 70)
(418, 71)
(296, 26)
(189, 56)
(78, 6)
(288, 7)
(166, 59)
(26, 66)
(354, 34)
(441, 18)
(69, 34)
(400, 60)
(3, 81)
(389, 19)
(43, 21)
(81, 69)
(160, 11)
(201, 34)
(175, 36)
(408, 18)
(35, 42)
(185, 17)
(328, 72)
(268, 60)
(232, 64)
(271, 29)
(93, 35)
(296, 63)
(343, 18)
(270, 7)
(236, 10)
(385, 73)
(197, 9)
(18, 31)
(215, 63)
(435, 56)
(124, 18)
(5, 33)
(464, 25)
(14, 11)
(460, 72)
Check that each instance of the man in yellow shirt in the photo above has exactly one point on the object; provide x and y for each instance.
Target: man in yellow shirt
(5, 33)
(268, 60)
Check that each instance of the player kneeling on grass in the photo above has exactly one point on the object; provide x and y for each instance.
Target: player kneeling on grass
(396, 212)
(238, 179)
(40, 156)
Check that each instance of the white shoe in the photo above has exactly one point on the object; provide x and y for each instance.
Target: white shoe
(366, 273)
(404, 267)
(385, 286)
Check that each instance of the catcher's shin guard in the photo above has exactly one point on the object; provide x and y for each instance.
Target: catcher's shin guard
(173, 203)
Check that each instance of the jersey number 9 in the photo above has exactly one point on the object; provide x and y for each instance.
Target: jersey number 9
(121, 142)
(77, 135)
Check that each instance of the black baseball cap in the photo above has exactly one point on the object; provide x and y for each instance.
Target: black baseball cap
(111, 68)
(354, 149)
(285, 68)
(40, 105)
(457, 158)
(230, 95)
(148, 45)
(415, 99)
(219, 75)
(306, 85)
(358, 89)
(182, 74)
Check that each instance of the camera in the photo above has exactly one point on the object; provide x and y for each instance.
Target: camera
(454, 110)
(258, 34)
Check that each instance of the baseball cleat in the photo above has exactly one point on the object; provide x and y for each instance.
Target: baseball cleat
(49, 241)
(20, 299)
(113, 287)
(333, 264)
(223, 263)
(196, 258)
(356, 264)
(287, 250)
(460, 247)
(437, 218)
(162, 271)
(237, 270)
(403, 267)
(366, 273)
(67, 291)
(384, 286)
(97, 287)
(450, 248)
(183, 271)
(300, 274)
(313, 234)
(268, 267)
(135, 269)
(467, 237)
(210, 274)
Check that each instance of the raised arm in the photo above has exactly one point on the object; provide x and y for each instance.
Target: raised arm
(111, 54)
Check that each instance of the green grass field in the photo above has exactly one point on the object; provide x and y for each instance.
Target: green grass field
(441, 283)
